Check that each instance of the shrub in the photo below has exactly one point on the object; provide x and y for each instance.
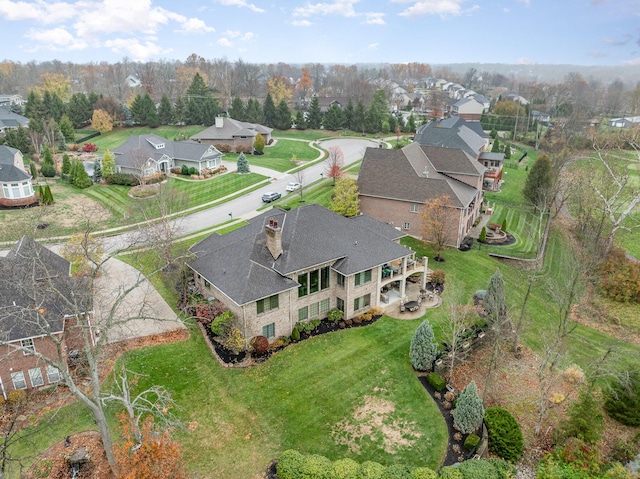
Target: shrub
(193, 171)
(233, 340)
(345, 469)
(622, 401)
(469, 411)
(505, 435)
(423, 473)
(397, 471)
(176, 170)
(504, 225)
(206, 312)
(123, 179)
(423, 348)
(619, 277)
(260, 344)
(437, 382)
(584, 419)
(335, 314)
(316, 466)
(471, 442)
(486, 469)
(625, 451)
(221, 323)
(483, 235)
(371, 470)
(450, 472)
(16, 397)
(290, 464)
(184, 170)
(48, 170)
(74, 147)
(438, 276)
(295, 334)
(89, 148)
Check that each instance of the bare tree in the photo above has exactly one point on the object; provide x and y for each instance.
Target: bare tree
(299, 176)
(438, 223)
(334, 163)
(457, 315)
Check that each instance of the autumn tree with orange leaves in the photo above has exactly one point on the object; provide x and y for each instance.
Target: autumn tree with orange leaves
(157, 456)
(438, 222)
(334, 163)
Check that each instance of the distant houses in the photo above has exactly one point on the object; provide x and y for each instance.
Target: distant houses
(233, 136)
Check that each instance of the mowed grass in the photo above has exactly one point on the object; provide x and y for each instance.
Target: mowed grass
(300, 398)
(118, 136)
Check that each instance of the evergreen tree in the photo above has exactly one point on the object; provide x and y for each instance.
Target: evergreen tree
(269, 111)
(254, 113)
(34, 108)
(209, 111)
(78, 175)
(97, 170)
(410, 127)
(494, 302)
(53, 106)
(237, 110)
(392, 124)
(496, 145)
(314, 115)
(469, 411)
(243, 164)
(334, 119)
(66, 128)
(301, 122)
(283, 116)
(108, 163)
(345, 200)
(507, 151)
(179, 111)
(359, 117)
(537, 186)
(19, 138)
(92, 99)
(198, 87)
(79, 110)
(33, 170)
(46, 197)
(144, 110)
(192, 113)
(585, 420)
(348, 115)
(377, 112)
(424, 347)
(165, 111)
(66, 164)
(126, 115)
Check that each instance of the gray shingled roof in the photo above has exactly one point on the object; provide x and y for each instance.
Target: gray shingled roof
(400, 174)
(8, 171)
(453, 132)
(9, 119)
(241, 266)
(33, 277)
(230, 129)
(139, 147)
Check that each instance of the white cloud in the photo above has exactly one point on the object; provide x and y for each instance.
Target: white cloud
(231, 33)
(56, 39)
(338, 7)
(40, 11)
(195, 26)
(433, 7)
(635, 61)
(134, 49)
(506, 10)
(224, 42)
(249, 36)
(241, 3)
(596, 54)
(626, 38)
(301, 23)
(373, 46)
(372, 18)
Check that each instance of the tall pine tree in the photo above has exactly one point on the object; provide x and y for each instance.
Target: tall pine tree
(314, 115)
(269, 111)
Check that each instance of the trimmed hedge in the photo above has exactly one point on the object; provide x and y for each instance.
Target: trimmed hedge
(437, 382)
(471, 442)
(505, 435)
(122, 179)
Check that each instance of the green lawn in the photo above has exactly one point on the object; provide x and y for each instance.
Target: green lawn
(118, 136)
(279, 157)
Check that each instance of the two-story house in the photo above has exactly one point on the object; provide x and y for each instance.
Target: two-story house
(290, 266)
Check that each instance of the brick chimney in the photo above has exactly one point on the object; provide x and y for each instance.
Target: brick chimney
(273, 236)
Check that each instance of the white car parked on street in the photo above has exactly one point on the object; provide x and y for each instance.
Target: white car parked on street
(294, 185)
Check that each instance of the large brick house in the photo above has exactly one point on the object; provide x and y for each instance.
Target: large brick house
(39, 301)
(290, 266)
(394, 186)
(229, 135)
(15, 183)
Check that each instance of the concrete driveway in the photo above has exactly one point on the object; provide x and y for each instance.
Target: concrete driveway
(128, 305)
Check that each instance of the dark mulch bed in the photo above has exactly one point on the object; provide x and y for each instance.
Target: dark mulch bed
(451, 456)
(223, 353)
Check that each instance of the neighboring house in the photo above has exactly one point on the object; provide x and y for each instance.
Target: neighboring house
(11, 120)
(36, 289)
(494, 163)
(144, 155)
(467, 108)
(15, 183)
(541, 117)
(394, 186)
(515, 97)
(289, 266)
(454, 132)
(229, 135)
(10, 100)
(625, 122)
(326, 102)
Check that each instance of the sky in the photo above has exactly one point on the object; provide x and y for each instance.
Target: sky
(587, 32)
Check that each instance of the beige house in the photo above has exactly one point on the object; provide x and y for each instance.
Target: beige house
(290, 266)
(233, 136)
(394, 186)
(16, 188)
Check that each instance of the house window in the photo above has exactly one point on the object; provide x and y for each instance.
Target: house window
(324, 277)
(314, 310)
(28, 345)
(303, 314)
(405, 226)
(269, 330)
(5, 191)
(340, 280)
(53, 375)
(267, 304)
(303, 289)
(340, 304)
(362, 302)
(363, 277)
(324, 306)
(414, 208)
(18, 380)
(207, 284)
(314, 280)
(26, 189)
(35, 375)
